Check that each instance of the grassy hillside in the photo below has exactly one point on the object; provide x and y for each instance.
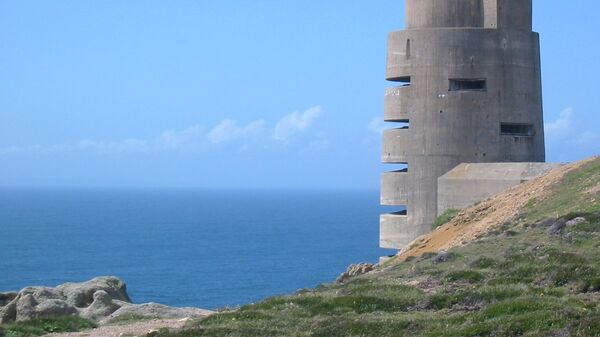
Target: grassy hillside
(535, 274)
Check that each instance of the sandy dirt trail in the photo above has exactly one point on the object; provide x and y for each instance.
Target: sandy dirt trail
(123, 330)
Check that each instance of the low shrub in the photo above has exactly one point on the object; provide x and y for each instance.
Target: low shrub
(445, 217)
(470, 276)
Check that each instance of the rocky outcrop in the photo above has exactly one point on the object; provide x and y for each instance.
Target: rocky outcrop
(354, 271)
(155, 310)
(92, 299)
(100, 299)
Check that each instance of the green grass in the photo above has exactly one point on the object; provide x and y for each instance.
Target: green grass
(569, 196)
(520, 280)
(530, 283)
(42, 326)
(445, 217)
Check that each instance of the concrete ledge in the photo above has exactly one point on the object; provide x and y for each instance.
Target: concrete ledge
(394, 188)
(395, 233)
(395, 145)
(397, 104)
(468, 184)
(473, 52)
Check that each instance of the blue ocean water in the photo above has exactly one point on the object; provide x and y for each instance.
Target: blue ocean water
(208, 249)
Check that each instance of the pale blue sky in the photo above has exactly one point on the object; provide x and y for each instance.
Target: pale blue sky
(234, 94)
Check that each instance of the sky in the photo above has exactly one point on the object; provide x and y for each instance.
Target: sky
(235, 94)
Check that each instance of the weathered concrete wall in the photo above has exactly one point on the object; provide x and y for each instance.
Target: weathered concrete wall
(468, 184)
(487, 50)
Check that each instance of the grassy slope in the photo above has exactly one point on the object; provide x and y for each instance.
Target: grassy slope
(38, 327)
(519, 280)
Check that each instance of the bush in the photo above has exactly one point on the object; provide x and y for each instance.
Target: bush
(470, 276)
(483, 263)
(445, 218)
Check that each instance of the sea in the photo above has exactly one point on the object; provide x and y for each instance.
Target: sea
(184, 247)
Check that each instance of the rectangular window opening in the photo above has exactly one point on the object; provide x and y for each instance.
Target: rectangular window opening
(403, 81)
(468, 84)
(516, 129)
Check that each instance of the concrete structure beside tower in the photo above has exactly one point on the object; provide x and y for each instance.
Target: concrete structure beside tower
(470, 183)
(467, 90)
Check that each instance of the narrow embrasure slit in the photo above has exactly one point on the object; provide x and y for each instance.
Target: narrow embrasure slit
(517, 129)
(403, 81)
(468, 84)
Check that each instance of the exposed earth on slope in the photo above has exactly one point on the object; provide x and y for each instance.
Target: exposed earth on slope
(475, 221)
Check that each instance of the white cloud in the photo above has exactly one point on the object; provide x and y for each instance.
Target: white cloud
(9, 150)
(571, 138)
(36, 149)
(124, 146)
(178, 140)
(228, 130)
(194, 138)
(568, 128)
(376, 125)
(562, 127)
(296, 123)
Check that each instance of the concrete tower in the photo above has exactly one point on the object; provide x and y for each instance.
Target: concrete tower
(468, 90)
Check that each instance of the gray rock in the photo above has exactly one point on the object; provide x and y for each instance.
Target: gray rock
(26, 307)
(558, 227)
(81, 295)
(152, 333)
(442, 257)
(154, 310)
(576, 221)
(53, 308)
(8, 313)
(354, 271)
(101, 307)
(546, 223)
(93, 299)
(100, 299)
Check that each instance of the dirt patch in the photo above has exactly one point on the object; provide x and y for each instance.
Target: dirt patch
(594, 190)
(478, 220)
(130, 329)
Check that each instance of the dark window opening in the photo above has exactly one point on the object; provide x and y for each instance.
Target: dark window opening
(404, 81)
(407, 52)
(477, 84)
(513, 129)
